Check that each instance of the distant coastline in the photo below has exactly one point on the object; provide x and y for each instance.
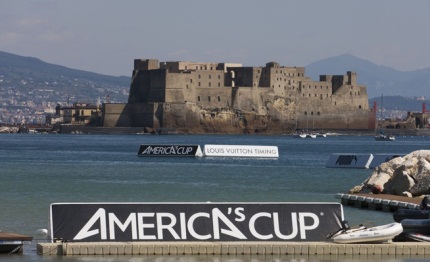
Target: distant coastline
(80, 129)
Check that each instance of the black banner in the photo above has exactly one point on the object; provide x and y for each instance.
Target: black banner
(170, 150)
(194, 221)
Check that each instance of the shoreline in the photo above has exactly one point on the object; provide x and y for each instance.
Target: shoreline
(79, 129)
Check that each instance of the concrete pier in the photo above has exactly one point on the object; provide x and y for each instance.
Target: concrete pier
(396, 249)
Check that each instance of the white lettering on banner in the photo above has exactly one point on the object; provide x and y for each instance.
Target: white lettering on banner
(168, 227)
(191, 228)
(160, 223)
(167, 150)
(234, 231)
(113, 220)
(241, 151)
(142, 226)
(86, 232)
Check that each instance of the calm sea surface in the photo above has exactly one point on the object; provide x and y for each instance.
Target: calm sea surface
(37, 170)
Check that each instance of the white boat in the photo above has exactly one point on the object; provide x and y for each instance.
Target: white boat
(299, 135)
(382, 137)
(382, 233)
(311, 136)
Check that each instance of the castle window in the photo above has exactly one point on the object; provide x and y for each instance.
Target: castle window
(219, 98)
(359, 106)
(199, 83)
(186, 67)
(209, 98)
(219, 84)
(198, 98)
(199, 76)
(306, 113)
(350, 93)
(358, 92)
(191, 80)
(187, 86)
(312, 113)
(321, 96)
(309, 95)
(219, 77)
(197, 67)
(210, 84)
(210, 77)
(319, 113)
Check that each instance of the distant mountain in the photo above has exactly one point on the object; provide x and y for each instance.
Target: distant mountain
(380, 80)
(27, 73)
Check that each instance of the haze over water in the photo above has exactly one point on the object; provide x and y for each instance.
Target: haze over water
(37, 170)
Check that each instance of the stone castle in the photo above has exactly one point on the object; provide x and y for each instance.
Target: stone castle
(194, 97)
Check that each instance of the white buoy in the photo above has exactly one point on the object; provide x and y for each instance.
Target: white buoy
(41, 232)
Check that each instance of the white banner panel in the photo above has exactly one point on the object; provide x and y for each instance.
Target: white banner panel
(101, 222)
(241, 151)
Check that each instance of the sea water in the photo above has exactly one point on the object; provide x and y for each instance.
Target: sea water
(37, 170)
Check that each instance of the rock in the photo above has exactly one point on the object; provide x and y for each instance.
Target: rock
(422, 186)
(405, 176)
(400, 183)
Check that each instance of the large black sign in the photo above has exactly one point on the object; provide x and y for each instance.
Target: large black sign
(194, 221)
(170, 150)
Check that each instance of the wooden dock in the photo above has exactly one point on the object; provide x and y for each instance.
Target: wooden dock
(383, 202)
(390, 249)
(12, 243)
(326, 249)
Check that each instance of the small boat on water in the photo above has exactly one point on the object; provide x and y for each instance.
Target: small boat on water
(417, 237)
(402, 214)
(421, 226)
(363, 234)
(12, 243)
(299, 135)
(383, 137)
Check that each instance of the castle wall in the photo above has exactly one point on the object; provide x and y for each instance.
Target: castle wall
(130, 115)
(192, 95)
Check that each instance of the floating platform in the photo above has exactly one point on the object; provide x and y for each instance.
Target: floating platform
(13, 243)
(349, 160)
(383, 202)
(391, 249)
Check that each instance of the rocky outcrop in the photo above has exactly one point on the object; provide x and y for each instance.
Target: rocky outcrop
(276, 118)
(405, 176)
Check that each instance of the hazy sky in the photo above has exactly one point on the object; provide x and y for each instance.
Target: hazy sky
(105, 36)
